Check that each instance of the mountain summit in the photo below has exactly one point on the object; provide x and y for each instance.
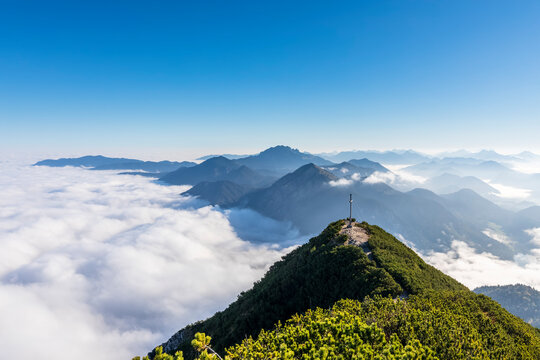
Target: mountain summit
(280, 160)
(398, 307)
(365, 262)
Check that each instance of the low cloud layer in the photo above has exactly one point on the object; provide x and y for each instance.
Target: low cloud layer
(97, 265)
(510, 192)
(475, 269)
(343, 182)
(398, 179)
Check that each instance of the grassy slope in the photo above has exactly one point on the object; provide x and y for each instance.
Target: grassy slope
(405, 266)
(318, 274)
(448, 325)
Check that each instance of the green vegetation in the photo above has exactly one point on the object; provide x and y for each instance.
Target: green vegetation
(445, 325)
(456, 325)
(327, 334)
(318, 274)
(398, 307)
(405, 266)
(160, 355)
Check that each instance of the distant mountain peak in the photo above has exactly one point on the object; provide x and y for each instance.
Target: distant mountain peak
(280, 148)
(281, 159)
(309, 173)
(218, 160)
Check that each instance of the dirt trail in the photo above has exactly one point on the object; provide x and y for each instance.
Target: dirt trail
(358, 237)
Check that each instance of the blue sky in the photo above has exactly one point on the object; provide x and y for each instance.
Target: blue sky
(190, 77)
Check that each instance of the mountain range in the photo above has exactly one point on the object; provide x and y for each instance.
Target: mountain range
(427, 220)
(216, 169)
(106, 163)
(286, 184)
(394, 157)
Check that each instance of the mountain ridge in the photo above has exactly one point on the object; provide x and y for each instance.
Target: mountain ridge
(301, 274)
(344, 286)
(215, 169)
(99, 162)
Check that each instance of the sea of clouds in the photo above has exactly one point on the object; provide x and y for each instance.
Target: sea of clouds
(95, 265)
(474, 269)
(99, 265)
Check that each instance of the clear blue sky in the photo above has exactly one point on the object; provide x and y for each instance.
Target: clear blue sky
(206, 76)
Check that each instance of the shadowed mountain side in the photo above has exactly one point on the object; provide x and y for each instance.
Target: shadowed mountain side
(150, 166)
(328, 268)
(355, 168)
(222, 193)
(521, 300)
(419, 217)
(468, 205)
(105, 163)
(217, 169)
(528, 218)
(346, 169)
(365, 163)
(483, 215)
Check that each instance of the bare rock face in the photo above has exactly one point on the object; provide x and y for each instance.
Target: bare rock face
(357, 236)
(171, 345)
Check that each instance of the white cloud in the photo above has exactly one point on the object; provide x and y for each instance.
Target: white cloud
(346, 181)
(341, 182)
(98, 265)
(527, 167)
(497, 235)
(535, 234)
(477, 269)
(399, 179)
(510, 192)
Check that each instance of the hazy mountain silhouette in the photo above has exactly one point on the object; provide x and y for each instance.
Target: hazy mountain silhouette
(222, 193)
(355, 168)
(365, 163)
(491, 170)
(228, 156)
(394, 157)
(216, 169)
(449, 183)
(105, 163)
(517, 183)
(280, 160)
